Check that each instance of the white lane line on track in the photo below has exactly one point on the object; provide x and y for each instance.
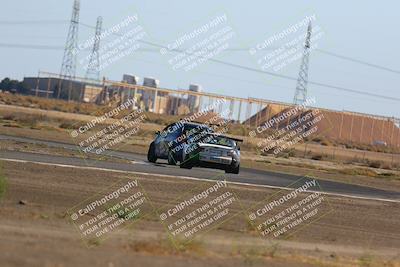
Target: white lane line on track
(192, 178)
(139, 162)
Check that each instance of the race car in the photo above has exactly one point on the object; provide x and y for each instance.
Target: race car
(195, 144)
(213, 151)
(169, 143)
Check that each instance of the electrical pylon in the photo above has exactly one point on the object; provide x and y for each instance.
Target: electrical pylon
(302, 81)
(93, 68)
(68, 66)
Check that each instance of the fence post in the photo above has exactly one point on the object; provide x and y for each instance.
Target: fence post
(37, 84)
(248, 113)
(240, 108)
(59, 88)
(48, 87)
(372, 130)
(362, 127)
(258, 115)
(104, 91)
(155, 101)
(391, 135)
(341, 126)
(267, 115)
(137, 101)
(351, 128)
(69, 90)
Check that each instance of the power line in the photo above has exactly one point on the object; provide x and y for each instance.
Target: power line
(265, 72)
(231, 65)
(282, 76)
(310, 82)
(238, 49)
(358, 61)
(44, 47)
(24, 22)
(241, 66)
(40, 47)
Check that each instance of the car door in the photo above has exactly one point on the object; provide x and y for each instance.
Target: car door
(171, 140)
(161, 142)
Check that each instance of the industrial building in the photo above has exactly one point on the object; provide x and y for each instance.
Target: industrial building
(157, 101)
(54, 87)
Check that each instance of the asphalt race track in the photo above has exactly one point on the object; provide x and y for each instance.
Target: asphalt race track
(139, 165)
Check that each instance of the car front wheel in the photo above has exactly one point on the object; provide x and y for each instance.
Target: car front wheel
(185, 163)
(151, 154)
(233, 169)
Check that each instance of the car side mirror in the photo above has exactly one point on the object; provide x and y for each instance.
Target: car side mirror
(238, 148)
(157, 132)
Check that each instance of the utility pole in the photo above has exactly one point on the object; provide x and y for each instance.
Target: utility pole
(93, 67)
(302, 81)
(68, 66)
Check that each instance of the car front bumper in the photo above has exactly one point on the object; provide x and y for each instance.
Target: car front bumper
(204, 157)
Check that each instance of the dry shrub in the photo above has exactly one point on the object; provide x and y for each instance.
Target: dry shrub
(163, 246)
(375, 164)
(386, 166)
(318, 157)
(326, 143)
(70, 125)
(358, 171)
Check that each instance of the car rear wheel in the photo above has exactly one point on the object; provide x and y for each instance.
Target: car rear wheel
(171, 158)
(151, 154)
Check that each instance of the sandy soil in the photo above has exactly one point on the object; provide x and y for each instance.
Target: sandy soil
(39, 233)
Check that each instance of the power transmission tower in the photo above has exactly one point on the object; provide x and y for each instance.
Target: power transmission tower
(93, 68)
(302, 81)
(68, 67)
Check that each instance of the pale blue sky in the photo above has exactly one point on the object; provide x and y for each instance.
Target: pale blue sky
(365, 30)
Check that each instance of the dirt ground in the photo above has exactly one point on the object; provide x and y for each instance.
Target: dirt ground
(35, 229)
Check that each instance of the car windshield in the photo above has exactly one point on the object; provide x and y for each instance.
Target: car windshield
(219, 140)
(195, 129)
(196, 132)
